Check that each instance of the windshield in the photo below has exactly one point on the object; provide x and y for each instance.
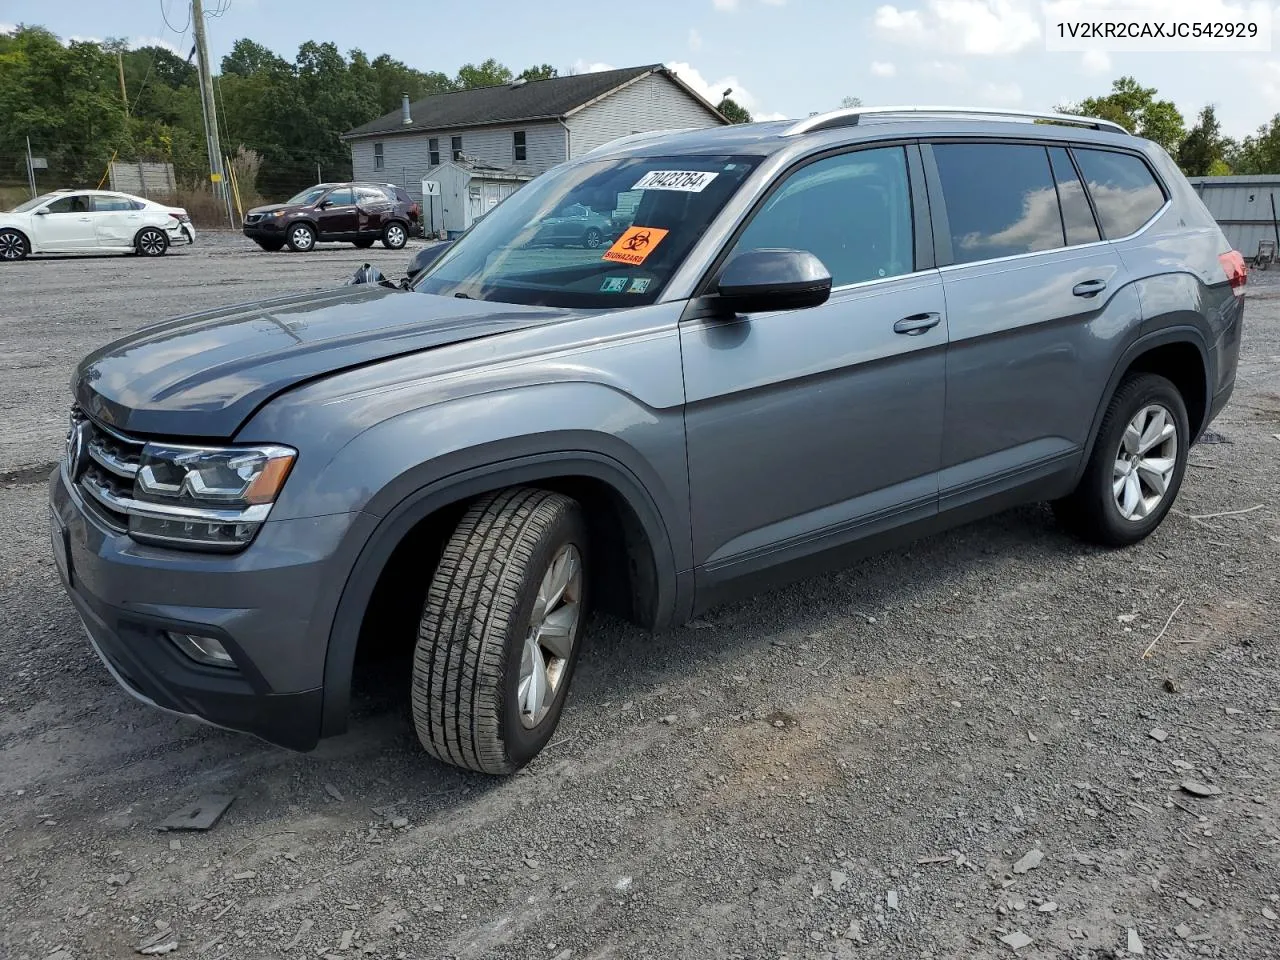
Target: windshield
(308, 197)
(32, 204)
(592, 235)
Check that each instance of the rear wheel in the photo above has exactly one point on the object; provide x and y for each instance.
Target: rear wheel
(1136, 467)
(498, 638)
(592, 238)
(13, 245)
(302, 237)
(271, 246)
(151, 242)
(394, 235)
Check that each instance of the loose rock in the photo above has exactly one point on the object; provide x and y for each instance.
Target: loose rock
(1016, 941)
(1135, 943)
(838, 880)
(1158, 735)
(1198, 789)
(1030, 860)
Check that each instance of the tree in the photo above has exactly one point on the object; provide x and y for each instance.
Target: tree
(1259, 153)
(488, 74)
(544, 71)
(850, 102)
(1136, 108)
(1203, 146)
(734, 111)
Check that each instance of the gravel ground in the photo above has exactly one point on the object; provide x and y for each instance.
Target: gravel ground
(857, 766)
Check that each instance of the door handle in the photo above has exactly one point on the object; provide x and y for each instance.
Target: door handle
(917, 324)
(1089, 288)
(86, 220)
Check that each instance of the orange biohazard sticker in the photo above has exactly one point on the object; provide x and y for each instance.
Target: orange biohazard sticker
(635, 245)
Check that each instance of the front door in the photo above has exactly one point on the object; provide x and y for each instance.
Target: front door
(1034, 302)
(337, 216)
(814, 428)
(67, 225)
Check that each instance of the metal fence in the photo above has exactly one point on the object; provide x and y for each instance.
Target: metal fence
(143, 179)
(1246, 207)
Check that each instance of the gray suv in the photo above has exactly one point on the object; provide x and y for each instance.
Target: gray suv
(816, 338)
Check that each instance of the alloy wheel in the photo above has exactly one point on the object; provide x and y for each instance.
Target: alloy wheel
(302, 238)
(395, 236)
(12, 246)
(553, 629)
(152, 243)
(1144, 462)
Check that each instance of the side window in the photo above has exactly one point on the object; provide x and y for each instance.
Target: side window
(1077, 218)
(455, 147)
(1000, 199)
(1123, 189)
(341, 197)
(104, 204)
(433, 149)
(75, 203)
(517, 146)
(378, 160)
(852, 211)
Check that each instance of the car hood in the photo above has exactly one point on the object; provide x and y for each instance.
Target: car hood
(204, 375)
(273, 207)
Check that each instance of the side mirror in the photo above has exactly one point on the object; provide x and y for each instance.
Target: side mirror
(42, 212)
(762, 280)
(323, 204)
(426, 257)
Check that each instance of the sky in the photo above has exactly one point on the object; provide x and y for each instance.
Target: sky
(781, 58)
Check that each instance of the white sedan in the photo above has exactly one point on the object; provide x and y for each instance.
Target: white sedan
(92, 221)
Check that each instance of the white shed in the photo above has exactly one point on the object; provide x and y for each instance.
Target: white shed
(467, 192)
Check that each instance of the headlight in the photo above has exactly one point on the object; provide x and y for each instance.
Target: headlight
(206, 496)
(280, 213)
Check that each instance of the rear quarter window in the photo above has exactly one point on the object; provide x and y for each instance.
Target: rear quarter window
(1125, 192)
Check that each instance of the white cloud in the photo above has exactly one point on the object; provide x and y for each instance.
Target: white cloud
(1095, 62)
(945, 70)
(714, 92)
(695, 39)
(8, 27)
(1000, 94)
(583, 66)
(880, 69)
(978, 27)
(137, 42)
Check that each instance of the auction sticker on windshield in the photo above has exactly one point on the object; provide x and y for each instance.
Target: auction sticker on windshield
(686, 181)
(635, 245)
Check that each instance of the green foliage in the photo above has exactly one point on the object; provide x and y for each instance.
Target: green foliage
(734, 111)
(1136, 108)
(291, 114)
(1259, 153)
(847, 103)
(1204, 146)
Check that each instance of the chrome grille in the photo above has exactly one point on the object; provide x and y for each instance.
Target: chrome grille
(105, 469)
(253, 218)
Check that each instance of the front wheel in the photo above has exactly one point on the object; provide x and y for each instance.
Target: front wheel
(498, 638)
(592, 239)
(13, 245)
(152, 242)
(1136, 466)
(394, 236)
(301, 238)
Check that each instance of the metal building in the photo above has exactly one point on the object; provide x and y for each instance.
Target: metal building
(1246, 207)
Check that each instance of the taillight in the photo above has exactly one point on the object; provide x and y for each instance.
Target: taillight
(1236, 271)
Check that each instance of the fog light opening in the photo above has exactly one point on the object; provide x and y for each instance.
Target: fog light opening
(204, 650)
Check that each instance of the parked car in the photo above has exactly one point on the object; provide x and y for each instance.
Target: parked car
(817, 338)
(576, 225)
(92, 221)
(359, 213)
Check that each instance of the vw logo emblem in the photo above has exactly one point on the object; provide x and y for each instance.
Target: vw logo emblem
(77, 441)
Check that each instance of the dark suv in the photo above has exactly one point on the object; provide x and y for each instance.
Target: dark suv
(356, 212)
(815, 339)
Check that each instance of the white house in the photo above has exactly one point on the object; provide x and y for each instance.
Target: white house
(515, 131)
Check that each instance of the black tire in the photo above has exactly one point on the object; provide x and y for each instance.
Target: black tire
(13, 245)
(271, 246)
(592, 238)
(395, 235)
(1091, 511)
(301, 238)
(471, 638)
(362, 244)
(151, 242)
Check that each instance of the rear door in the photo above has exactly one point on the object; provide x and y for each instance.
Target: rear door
(814, 428)
(116, 220)
(66, 225)
(339, 216)
(373, 207)
(1035, 301)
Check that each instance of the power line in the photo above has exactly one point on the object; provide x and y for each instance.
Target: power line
(165, 15)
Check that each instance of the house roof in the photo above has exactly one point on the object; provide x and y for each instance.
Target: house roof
(535, 100)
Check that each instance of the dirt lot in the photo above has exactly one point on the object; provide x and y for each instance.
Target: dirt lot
(853, 767)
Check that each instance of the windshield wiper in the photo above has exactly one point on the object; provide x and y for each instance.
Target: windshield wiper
(464, 296)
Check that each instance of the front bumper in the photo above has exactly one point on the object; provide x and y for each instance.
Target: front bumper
(271, 607)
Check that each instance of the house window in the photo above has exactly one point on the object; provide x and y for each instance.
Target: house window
(378, 162)
(518, 146)
(455, 146)
(433, 147)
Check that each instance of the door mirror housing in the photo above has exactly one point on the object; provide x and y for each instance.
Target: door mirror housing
(42, 212)
(759, 281)
(323, 204)
(426, 257)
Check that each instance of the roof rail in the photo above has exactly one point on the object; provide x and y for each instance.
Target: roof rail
(850, 117)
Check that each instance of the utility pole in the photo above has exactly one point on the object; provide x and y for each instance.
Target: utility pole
(216, 172)
(124, 97)
(31, 170)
